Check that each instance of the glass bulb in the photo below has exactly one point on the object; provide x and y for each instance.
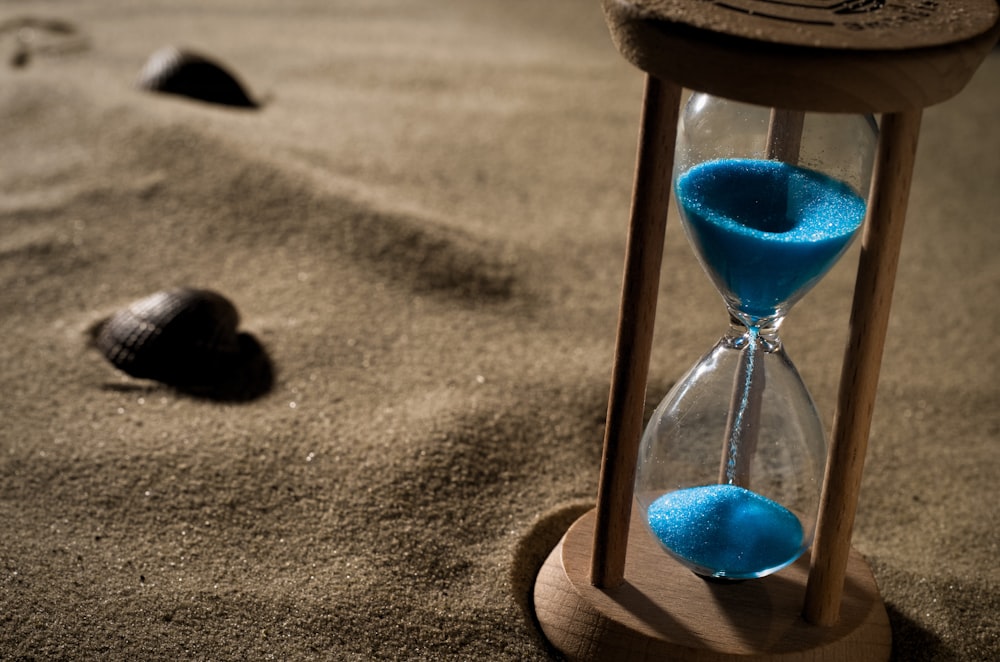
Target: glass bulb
(731, 464)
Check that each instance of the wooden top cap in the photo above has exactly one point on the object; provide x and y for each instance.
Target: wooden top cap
(821, 55)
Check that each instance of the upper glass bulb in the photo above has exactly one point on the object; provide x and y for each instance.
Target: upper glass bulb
(769, 199)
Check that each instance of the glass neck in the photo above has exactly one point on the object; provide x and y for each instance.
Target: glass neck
(744, 330)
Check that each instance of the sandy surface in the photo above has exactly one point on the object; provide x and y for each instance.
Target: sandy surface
(424, 226)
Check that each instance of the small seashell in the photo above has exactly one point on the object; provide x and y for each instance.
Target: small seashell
(186, 338)
(174, 71)
(42, 36)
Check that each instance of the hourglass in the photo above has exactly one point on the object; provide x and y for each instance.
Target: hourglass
(697, 548)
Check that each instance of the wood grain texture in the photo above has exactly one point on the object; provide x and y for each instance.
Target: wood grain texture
(894, 56)
(883, 236)
(784, 135)
(857, 25)
(640, 286)
(664, 611)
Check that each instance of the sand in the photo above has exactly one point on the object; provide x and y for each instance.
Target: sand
(424, 227)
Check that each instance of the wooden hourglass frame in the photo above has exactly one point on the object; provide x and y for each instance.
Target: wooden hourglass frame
(593, 600)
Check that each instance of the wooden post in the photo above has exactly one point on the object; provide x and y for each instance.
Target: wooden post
(640, 286)
(784, 140)
(859, 378)
(784, 135)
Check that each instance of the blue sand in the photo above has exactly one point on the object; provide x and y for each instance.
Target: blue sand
(743, 407)
(766, 230)
(726, 530)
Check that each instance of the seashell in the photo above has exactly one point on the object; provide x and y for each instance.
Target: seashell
(186, 338)
(42, 36)
(174, 71)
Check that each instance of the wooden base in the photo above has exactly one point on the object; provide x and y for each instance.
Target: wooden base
(663, 611)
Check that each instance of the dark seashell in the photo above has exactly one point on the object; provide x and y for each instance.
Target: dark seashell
(187, 338)
(173, 71)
